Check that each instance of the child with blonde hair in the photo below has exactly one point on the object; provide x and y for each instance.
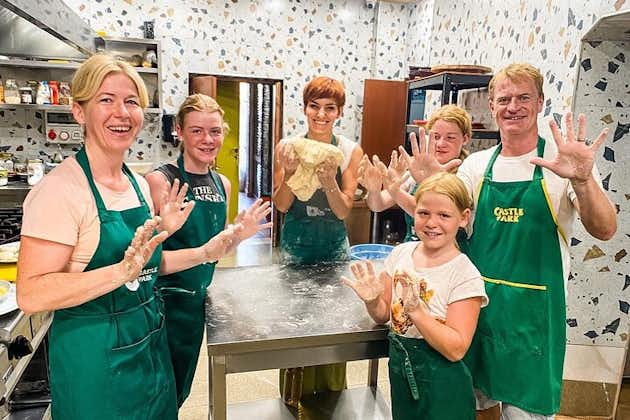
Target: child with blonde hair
(431, 294)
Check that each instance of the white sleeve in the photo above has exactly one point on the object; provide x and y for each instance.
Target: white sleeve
(468, 283)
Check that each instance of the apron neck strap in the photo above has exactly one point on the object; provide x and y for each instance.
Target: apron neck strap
(333, 139)
(185, 177)
(84, 162)
(540, 151)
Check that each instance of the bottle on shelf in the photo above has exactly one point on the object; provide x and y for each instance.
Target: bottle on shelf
(390, 236)
(292, 387)
(1, 90)
(11, 92)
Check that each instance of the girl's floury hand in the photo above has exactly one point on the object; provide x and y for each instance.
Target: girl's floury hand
(251, 219)
(175, 210)
(367, 285)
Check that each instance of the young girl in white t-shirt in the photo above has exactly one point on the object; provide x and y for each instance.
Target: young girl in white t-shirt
(431, 294)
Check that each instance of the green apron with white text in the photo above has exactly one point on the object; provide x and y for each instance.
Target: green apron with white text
(517, 353)
(425, 385)
(184, 292)
(109, 357)
(311, 233)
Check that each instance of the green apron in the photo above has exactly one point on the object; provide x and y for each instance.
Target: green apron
(184, 292)
(410, 232)
(517, 352)
(425, 385)
(311, 233)
(109, 357)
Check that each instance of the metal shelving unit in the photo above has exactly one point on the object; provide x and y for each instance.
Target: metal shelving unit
(450, 83)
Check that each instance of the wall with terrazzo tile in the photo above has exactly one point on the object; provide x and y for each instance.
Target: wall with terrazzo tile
(288, 40)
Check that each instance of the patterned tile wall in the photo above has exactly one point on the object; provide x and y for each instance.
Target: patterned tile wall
(600, 276)
(547, 34)
(288, 40)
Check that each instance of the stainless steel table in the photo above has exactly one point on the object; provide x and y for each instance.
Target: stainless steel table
(275, 316)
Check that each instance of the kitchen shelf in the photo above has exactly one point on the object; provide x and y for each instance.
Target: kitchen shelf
(39, 64)
(37, 107)
(60, 108)
(450, 83)
(476, 132)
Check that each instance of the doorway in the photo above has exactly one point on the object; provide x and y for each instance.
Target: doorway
(253, 110)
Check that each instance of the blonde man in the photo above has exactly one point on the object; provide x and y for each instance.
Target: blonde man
(527, 191)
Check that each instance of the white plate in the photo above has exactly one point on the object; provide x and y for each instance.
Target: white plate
(8, 302)
(9, 252)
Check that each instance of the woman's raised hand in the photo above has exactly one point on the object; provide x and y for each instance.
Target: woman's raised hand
(326, 172)
(367, 285)
(287, 159)
(141, 248)
(422, 163)
(250, 219)
(369, 174)
(397, 165)
(174, 210)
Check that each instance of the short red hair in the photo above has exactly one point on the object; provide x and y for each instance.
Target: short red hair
(324, 87)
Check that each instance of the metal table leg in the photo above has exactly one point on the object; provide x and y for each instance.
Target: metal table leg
(373, 373)
(218, 400)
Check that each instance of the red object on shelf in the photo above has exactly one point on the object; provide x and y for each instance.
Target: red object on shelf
(52, 135)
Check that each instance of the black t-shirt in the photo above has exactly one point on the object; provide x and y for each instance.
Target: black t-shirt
(204, 187)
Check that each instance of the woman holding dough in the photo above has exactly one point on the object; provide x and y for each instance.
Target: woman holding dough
(314, 230)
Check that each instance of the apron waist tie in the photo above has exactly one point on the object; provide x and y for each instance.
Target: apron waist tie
(70, 312)
(407, 368)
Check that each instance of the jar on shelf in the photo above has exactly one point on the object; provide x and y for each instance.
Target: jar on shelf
(1, 90)
(34, 171)
(65, 97)
(33, 84)
(54, 92)
(26, 95)
(11, 92)
(43, 93)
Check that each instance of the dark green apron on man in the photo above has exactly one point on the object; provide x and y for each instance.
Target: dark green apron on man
(425, 385)
(109, 357)
(184, 292)
(517, 353)
(311, 234)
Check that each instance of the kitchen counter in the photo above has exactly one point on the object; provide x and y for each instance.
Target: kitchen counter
(13, 194)
(275, 316)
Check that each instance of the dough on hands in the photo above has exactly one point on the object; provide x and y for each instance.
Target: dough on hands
(310, 153)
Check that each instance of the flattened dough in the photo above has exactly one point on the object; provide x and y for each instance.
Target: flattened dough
(310, 153)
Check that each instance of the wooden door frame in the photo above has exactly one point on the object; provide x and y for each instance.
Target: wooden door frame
(278, 84)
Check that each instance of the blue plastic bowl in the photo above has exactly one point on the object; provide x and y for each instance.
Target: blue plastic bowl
(370, 251)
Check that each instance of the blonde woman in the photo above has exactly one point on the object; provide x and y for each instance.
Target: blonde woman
(89, 252)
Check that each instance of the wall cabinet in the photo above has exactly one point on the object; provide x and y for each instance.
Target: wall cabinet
(383, 121)
(145, 55)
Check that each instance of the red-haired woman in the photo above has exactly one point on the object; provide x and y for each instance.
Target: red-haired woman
(314, 230)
